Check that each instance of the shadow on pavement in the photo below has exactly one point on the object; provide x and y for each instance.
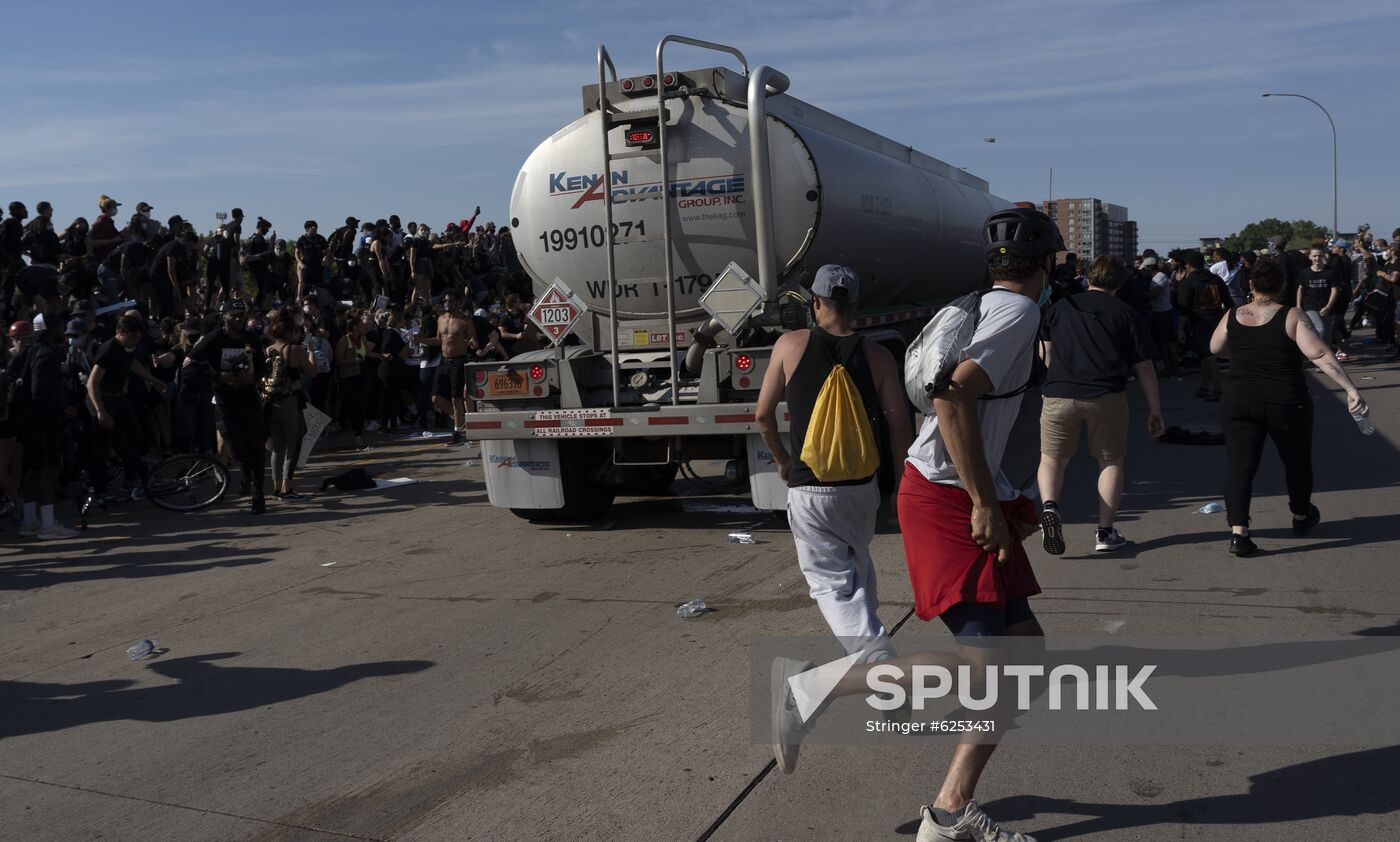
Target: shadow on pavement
(203, 689)
(40, 570)
(1355, 784)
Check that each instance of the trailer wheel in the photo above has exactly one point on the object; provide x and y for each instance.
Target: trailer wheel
(650, 479)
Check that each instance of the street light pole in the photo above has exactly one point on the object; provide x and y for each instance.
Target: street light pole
(1336, 230)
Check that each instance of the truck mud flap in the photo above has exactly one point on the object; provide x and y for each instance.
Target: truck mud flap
(522, 473)
(766, 487)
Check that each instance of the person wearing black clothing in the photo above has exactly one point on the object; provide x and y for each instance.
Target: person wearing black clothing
(173, 271)
(12, 248)
(1091, 344)
(489, 336)
(1064, 279)
(392, 350)
(41, 240)
(512, 327)
(1385, 292)
(340, 248)
(39, 403)
(216, 266)
(1317, 293)
(118, 425)
(1267, 343)
(257, 253)
(1340, 264)
(237, 366)
(1201, 298)
(132, 273)
(311, 255)
(193, 410)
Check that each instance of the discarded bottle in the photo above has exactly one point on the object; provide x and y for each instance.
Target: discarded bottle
(1211, 508)
(741, 538)
(141, 650)
(694, 608)
(1364, 424)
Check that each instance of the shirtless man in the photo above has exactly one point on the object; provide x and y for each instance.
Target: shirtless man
(457, 337)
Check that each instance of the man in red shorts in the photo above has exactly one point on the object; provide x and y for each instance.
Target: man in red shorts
(963, 521)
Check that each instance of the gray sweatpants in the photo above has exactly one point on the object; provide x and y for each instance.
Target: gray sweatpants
(832, 527)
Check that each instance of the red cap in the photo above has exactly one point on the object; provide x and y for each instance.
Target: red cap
(21, 329)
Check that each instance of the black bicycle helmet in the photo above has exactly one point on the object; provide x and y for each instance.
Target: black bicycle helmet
(1020, 232)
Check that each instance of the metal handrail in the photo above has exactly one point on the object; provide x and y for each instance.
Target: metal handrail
(605, 59)
(764, 81)
(666, 192)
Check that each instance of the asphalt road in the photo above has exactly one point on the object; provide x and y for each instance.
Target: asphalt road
(414, 664)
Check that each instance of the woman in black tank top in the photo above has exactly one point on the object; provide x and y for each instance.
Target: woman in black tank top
(1267, 397)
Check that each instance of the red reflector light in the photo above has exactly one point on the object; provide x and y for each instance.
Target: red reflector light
(743, 362)
(648, 82)
(479, 376)
(627, 85)
(743, 382)
(669, 79)
(536, 372)
(539, 390)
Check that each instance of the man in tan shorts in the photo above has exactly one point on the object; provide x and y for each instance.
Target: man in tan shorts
(1093, 342)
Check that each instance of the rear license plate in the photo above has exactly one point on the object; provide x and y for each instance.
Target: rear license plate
(509, 384)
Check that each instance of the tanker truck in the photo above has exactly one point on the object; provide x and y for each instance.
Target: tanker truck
(669, 233)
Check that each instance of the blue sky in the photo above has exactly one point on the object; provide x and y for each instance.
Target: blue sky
(297, 110)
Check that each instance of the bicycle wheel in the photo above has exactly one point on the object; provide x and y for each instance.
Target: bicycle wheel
(186, 483)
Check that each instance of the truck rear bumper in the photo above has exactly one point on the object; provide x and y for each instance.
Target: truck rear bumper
(628, 422)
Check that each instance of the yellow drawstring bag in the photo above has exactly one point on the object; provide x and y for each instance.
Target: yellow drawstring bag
(839, 444)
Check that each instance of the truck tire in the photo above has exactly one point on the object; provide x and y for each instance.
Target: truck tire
(585, 498)
(649, 479)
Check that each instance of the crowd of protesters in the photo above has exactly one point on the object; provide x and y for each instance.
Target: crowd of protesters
(130, 337)
(1185, 296)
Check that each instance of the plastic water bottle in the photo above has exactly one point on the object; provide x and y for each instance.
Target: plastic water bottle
(141, 650)
(741, 538)
(1211, 508)
(694, 608)
(1364, 424)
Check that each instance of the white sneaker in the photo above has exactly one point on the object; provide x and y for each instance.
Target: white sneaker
(1108, 540)
(972, 826)
(57, 532)
(29, 530)
(788, 729)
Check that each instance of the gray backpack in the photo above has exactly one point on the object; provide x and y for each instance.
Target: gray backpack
(942, 344)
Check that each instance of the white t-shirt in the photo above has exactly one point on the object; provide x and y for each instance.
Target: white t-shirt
(1231, 277)
(1004, 346)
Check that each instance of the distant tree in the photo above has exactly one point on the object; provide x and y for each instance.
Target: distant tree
(1301, 233)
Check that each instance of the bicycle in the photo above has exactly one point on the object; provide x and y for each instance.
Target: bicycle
(184, 482)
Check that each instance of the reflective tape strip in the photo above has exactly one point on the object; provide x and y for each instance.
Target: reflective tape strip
(483, 425)
(663, 420)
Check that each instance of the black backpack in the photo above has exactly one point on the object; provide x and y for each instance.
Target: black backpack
(341, 243)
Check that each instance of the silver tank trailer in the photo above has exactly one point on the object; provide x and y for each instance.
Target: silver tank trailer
(908, 223)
